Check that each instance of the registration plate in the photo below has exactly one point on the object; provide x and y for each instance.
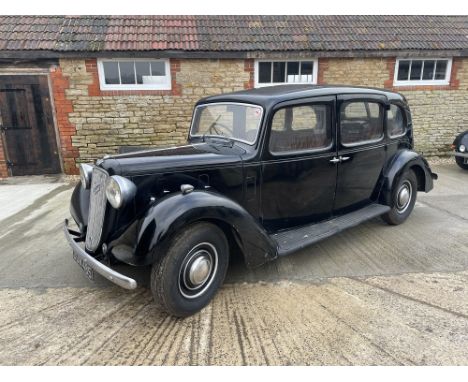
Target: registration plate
(89, 272)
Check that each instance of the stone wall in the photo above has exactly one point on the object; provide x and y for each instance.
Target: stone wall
(371, 72)
(93, 123)
(439, 112)
(106, 120)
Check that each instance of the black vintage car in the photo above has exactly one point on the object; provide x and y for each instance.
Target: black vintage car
(265, 172)
(460, 150)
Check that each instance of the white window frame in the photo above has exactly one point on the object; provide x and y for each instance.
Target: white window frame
(166, 85)
(300, 60)
(421, 82)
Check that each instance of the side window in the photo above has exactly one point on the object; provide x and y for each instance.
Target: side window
(299, 128)
(361, 122)
(395, 121)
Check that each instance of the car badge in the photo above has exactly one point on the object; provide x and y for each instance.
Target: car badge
(96, 188)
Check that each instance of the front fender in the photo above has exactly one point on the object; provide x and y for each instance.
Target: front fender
(400, 162)
(174, 212)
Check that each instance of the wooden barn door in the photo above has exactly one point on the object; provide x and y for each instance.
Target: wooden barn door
(27, 126)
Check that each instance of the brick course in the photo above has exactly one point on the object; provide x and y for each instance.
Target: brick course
(66, 129)
(3, 166)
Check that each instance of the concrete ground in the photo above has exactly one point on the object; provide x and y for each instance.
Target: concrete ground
(374, 294)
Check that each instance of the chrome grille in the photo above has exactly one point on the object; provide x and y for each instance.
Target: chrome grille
(97, 208)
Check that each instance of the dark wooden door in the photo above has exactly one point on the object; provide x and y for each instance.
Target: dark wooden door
(27, 126)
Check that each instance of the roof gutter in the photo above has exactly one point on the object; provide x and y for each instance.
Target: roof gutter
(182, 54)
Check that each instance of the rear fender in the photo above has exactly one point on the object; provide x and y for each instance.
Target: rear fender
(400, 162)
(174, 212)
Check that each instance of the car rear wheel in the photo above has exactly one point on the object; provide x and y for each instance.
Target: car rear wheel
(189, 275)
(461, 163)
(403, 199)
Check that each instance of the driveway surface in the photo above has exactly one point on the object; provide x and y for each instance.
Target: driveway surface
(374, 294)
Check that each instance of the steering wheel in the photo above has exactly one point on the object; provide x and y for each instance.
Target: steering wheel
(214, 129)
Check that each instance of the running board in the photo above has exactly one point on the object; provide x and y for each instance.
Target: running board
(295, 239)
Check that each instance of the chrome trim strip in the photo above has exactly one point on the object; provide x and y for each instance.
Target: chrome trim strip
(111, 275)
(147, 151)
(361, 143)
(461, 155)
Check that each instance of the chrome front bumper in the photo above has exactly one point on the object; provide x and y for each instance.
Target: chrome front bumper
(459, 154)
(105, 271)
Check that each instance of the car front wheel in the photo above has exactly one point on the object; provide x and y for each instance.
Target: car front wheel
(189, 275)
(461, 162)
(403, 199)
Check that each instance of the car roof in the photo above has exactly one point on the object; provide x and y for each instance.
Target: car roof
(270, 95)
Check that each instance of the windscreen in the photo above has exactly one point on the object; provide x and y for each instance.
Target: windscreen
(236, 121)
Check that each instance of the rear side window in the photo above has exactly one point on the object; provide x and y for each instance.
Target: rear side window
(299, 128)
(395, 121)
(361, 122)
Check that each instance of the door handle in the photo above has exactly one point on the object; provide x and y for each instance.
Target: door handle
(343, 159)
(335, 160)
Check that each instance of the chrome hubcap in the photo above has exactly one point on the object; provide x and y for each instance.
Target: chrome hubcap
(404, 196)
(198, 270)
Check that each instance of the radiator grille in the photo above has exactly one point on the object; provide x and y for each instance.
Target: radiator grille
(97, 208)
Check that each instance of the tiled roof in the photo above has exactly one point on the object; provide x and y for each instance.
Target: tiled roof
(232, 33)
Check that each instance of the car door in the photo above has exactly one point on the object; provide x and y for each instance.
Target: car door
(298, 180)
(361, 150)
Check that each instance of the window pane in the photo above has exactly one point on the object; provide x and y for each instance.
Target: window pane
(441, 69)
(158, 68)
(293, 72)
(416, 69)
(300, 128)
(111, 72)
(428, 71)
(293, 68)
(127, 72)
(306, 67)
(403, 70)
(142, 69)
(279, 71)
(361, 122)
(264, 72)
(395, 121)
(355, 110)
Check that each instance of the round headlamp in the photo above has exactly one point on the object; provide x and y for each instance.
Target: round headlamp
(119, 191)
(85, 175)
(462, 148)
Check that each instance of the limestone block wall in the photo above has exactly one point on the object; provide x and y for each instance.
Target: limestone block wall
(439, 112)
(93, 123)
(105, 120)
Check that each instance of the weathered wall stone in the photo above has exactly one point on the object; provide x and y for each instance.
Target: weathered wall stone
(355, 71)
(105, 121)
(439, 112)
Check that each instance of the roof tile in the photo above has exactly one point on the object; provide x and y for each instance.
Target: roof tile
(232, 33)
